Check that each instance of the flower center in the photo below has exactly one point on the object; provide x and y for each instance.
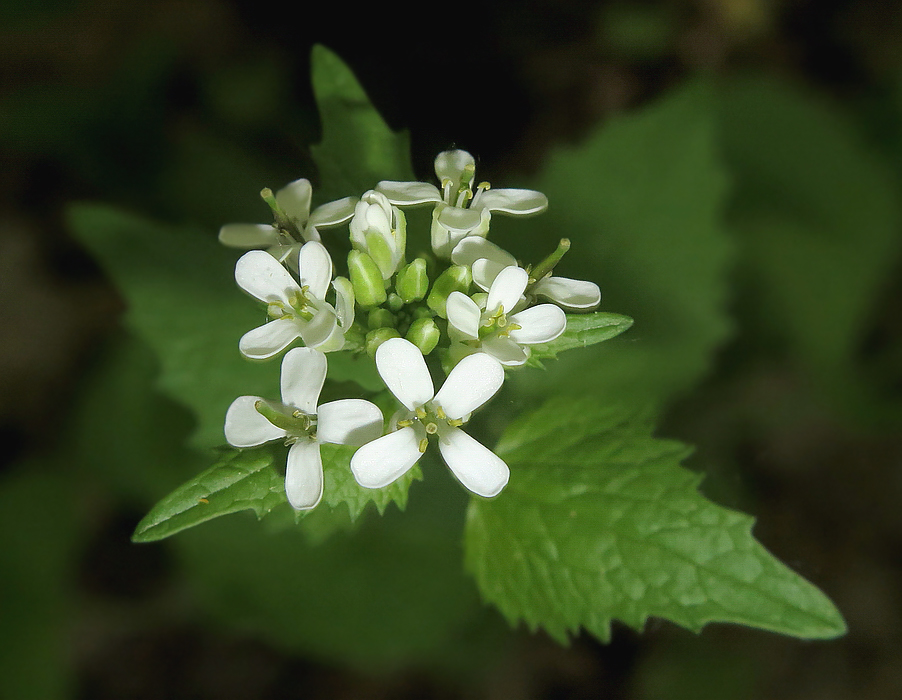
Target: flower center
(463, 196)
(496, 324)
(429, 420)
(296, 423)
(299, 305)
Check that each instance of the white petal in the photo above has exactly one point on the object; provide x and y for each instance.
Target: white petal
(348, 422)
(294, 199)
(506, 289)
(269, 339)
(248, 235)
(333, 213)
(259, 274)
(304, 475)
(303, 374)
(506, 351)
(409, 193)
(457, 219)
(472, 382)
(315, 268)
(485, 271)
(538, 324)
(572, 294)
(476, 466)
(457, 166)
(321, 328)
(474, 248)
(245, 427)
(463, 314)
(380, 462)
(403, 369)
(344, 301)
(513, 202)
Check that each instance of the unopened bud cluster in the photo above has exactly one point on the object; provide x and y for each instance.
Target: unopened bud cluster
(466, 302)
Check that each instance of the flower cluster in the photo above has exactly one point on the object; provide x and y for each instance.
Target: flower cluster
(468, 309)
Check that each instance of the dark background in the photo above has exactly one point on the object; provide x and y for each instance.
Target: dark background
(144, 104)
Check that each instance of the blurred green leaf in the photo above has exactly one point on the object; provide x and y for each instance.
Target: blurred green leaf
(601, 522)
(358, 149)
(641, 200)
(389, 596)
(582, 331)
(818, 218)
(183, 301)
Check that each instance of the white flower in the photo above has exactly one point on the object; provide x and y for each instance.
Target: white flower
(380, 230)
(460, 212)
(497, 332)
(294, 201)
(470, 384)
(487, 260)
(298, 310)
(252, 421)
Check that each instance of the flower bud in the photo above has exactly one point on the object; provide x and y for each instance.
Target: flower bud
(380, 318)
(456, 278)
(375, 338)
(369, 289)
(413, 281)
(424, 334)
(379, 229)
(395, 303)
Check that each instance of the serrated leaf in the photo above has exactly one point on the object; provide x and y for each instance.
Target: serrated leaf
(183, 301)
(358, 149)
(641, 199)
(341, 487)
(239, 480)
(600, 522)
(582, 331)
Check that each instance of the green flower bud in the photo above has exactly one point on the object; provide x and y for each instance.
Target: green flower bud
(381, 253)
(456, 278)
(380, 318)
(424, 334)
(375, 338)
(423, 312)
(412, 282)
(395, 303)
(369, 290)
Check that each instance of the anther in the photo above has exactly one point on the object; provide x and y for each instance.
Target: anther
(424, 443)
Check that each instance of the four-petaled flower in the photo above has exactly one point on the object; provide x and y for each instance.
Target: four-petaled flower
(297, 310)
(495, 329)
(459, 211)
(469, 385)
(252, 420)
(294, 202)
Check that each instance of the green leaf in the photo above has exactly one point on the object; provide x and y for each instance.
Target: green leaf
(641, 200)
(239, 480)
(582, 331)
(358, 149)
(254, 479)
(341, 487)
(818, 215)
(599, 521)
(183, 301)
(390, 595)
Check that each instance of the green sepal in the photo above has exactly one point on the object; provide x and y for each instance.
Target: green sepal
(380, 251)
(456, 278)
(424, 334)
(369, 288)
(412, 282)
(375, 338)
(380, 318)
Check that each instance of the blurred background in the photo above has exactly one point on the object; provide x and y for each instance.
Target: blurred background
(179, 111)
